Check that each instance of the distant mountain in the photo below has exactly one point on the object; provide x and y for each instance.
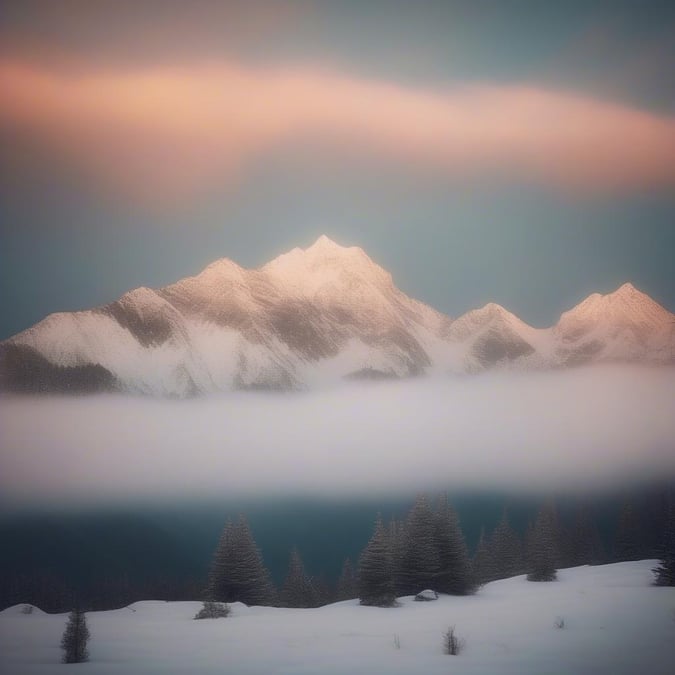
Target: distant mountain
(307, 317)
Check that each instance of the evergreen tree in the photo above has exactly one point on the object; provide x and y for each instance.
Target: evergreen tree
(628, 541)
(454, 572)
(376, 583)
(506, 558)
(397, 543)
(557, 536)
(528, 545)
(347, 588)
(212, 610)
(664, 574)
(420, 561)
(237, 571)
(584, 544)
(543, 553)
(75, 638)
(298, 590)
(481, 567)
(217, 586)
(324, 593)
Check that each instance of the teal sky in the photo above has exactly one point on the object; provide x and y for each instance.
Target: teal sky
(93, 204)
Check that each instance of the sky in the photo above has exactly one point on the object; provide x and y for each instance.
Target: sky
(516, 151)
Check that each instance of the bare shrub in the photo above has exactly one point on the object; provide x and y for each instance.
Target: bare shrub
(27, 609)
(559, 622)
(452, 644)
(397, 641)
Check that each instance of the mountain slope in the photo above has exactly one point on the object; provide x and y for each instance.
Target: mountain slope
(625, 325)
(309, 316)
(327, 311)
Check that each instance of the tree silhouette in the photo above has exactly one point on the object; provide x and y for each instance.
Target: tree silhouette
(75, 638)
(237, 571)
(542, 557)
(376, 583)
(298, 589)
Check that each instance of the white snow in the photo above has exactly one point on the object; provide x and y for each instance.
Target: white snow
(615, 623)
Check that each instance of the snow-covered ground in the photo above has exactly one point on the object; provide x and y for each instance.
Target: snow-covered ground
(615, 623)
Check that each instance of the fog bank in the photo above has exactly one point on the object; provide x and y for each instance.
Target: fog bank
(585, 429)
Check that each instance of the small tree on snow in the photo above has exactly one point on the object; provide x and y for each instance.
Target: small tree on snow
(213, 610)
(298, 589)
(347, 584)
(75, 638)
(454, 573)
(238, 573)
(505, 551)
(480, 565)
(542, 555)
(376, 582)
(419, 561)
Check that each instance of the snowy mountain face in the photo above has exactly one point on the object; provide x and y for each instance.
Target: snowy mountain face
(307, 317)
(626, 325)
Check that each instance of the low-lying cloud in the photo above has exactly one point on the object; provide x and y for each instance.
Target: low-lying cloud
(164, 130)
(586, 429)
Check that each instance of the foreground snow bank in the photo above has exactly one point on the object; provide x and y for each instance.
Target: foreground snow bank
(614, 622)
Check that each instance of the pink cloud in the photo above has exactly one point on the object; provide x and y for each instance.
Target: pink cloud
(181, 129)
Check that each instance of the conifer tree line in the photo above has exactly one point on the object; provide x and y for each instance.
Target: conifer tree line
(425, 549)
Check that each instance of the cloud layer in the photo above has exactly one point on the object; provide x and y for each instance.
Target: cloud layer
(177, 130)
(585, 429)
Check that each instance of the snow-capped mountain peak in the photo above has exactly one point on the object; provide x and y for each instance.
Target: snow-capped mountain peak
(310, 315)
(624, 308)
(327, 268)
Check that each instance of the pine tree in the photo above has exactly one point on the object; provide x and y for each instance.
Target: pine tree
(347, 588)
(585, 546)
(237, 571)
(217, 588)
(298, 590)
(75, 638)
(506, 558)
(628, 541)
(324, 592)
(420, 562)
(454, 573)
(213, 610)
(481, 567)
(528, 546)
(396, 534)
(557, 545)
(664, 574)
(376, 583)
(542, 556)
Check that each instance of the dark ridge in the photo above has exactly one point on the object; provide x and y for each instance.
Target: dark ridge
(149, 329)
(491, 348)
(295, 323)
(583, 353)
(371, 374)
(277, 380)
(23, 370)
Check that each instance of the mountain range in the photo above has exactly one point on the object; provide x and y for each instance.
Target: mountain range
(309, 317)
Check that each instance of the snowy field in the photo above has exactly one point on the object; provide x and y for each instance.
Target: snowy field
(614, 623)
